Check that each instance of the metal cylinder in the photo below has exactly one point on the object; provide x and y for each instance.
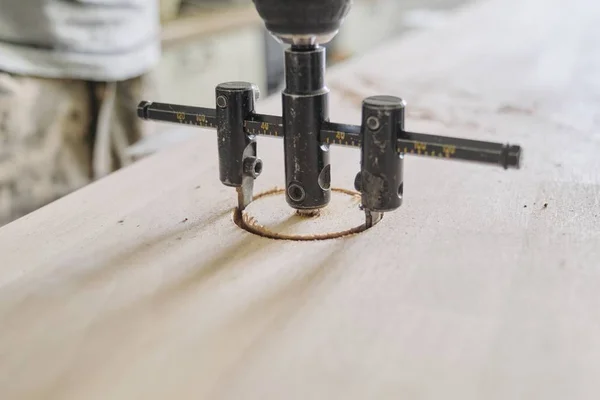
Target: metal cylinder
(235, 101)
(381, 178)
(305, 108)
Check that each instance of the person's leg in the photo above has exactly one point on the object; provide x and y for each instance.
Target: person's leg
(117, 125)
(45, 146)
(56, 136)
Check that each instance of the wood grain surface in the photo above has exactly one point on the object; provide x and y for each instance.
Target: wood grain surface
(484, 285)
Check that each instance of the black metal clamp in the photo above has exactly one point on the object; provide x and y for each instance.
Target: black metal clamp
(308, 134)
(238, 161)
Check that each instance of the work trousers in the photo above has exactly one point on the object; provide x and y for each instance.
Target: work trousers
(58, 135)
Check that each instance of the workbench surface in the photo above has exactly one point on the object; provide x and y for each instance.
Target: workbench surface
(484, 285)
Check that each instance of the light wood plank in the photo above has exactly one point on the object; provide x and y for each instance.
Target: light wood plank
(140, 286)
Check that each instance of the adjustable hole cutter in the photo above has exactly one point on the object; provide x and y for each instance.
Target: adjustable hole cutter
(303, 26)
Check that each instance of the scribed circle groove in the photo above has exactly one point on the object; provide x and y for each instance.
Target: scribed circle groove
(249, 224)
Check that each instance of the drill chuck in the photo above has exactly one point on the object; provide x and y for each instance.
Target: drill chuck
(303, 22)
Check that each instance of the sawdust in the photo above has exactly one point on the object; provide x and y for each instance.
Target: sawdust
(308, 213)
(249, 223)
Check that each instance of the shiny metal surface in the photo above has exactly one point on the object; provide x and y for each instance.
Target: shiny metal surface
(305, 40)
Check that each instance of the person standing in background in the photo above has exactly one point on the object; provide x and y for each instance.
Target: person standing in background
(71, 75)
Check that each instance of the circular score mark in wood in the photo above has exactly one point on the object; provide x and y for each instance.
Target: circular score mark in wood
(270, 216)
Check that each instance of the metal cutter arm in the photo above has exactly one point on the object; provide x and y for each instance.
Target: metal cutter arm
(382, 139)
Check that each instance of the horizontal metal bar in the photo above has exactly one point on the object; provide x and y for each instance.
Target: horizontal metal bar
(461, 149)
(178, 114)
(341, 134)
(261, 124)
(420, 144)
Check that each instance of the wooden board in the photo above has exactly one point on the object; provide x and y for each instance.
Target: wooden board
(140, 286)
